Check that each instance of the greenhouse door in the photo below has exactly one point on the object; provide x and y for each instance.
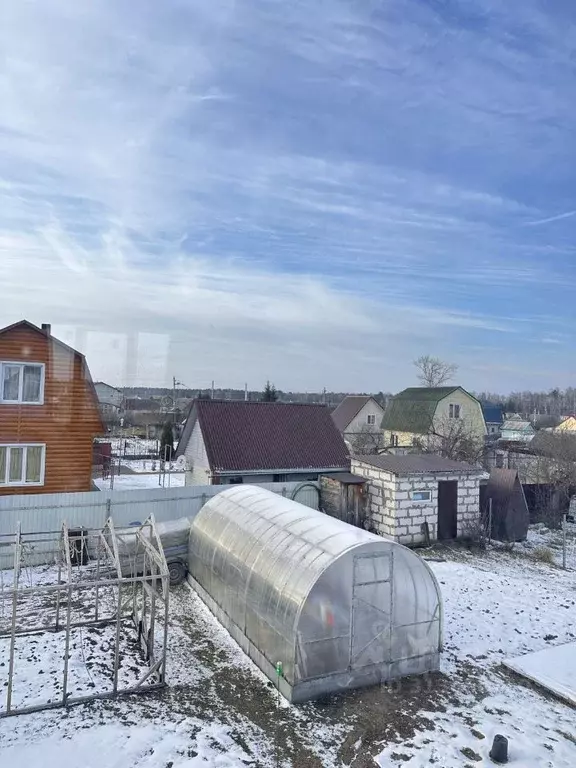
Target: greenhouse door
(371, 610)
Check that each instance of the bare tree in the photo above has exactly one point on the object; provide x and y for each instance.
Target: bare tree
(455, 439)
(367, 441)
(433, 371)
(553, 470)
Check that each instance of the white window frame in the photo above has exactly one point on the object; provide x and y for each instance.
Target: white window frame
(23, 483)
(371, 419)
(427, 499)
(454, 411)
(22, 365)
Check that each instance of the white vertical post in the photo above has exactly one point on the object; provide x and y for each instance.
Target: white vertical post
(17, 555)
(564, 541)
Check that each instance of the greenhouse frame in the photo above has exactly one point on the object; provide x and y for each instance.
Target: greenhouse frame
(337, 606)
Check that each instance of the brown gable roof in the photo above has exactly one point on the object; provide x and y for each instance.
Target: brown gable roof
(241, 436)
(348, 409)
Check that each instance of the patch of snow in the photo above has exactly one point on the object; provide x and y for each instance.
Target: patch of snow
(139, 481)
(188, 744)
(539, 733)
(497, 606)
(540, 537)
(493, 611)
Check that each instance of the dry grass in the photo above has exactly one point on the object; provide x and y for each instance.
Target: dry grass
(543, 555)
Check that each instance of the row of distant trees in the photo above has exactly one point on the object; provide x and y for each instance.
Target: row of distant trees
(431, 372)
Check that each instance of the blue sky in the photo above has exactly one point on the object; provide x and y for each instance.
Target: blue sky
(315, 193)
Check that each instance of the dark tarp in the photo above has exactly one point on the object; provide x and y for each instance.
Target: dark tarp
(510, 516)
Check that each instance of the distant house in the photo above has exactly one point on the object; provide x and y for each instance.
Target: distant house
(359, 419)
(420, 497)
(517, 430)
(145, 416)
(567, 425)
(236, 441)
(110, 399)
(494, 418)
(49, 413)
(419, 415)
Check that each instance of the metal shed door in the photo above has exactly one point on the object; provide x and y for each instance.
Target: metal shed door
(371, 610)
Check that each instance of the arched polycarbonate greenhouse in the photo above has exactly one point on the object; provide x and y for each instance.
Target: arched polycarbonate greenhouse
(339, 607)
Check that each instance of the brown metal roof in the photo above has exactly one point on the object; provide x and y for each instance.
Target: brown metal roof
(348, 409)
(417, 464)
(243, 436)
(347, 478)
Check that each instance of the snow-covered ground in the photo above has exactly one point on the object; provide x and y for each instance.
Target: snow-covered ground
(220, 711)
(140, 480)
(540, 537)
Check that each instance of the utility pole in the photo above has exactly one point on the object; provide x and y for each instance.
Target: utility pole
(175, 383)
(246, 391)
(174, 398)
(212, 389)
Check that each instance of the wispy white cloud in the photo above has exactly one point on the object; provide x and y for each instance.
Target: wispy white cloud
(567, 215)
(275, 182)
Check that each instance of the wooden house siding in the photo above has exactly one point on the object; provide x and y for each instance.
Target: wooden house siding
(67, 421)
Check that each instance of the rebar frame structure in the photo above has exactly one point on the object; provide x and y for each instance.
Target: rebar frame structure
(107, 577)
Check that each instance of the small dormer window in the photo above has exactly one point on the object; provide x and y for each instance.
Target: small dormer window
(22, 383)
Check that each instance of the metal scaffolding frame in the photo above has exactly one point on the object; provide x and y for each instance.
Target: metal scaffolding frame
(113, 577)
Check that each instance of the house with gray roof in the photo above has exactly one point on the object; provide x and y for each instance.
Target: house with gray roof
(422, 416)
(359, 419)
(419, 498)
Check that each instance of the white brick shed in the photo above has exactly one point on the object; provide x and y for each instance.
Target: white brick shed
(405, 492)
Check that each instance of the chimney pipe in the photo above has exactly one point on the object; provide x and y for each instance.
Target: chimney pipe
(47, 328)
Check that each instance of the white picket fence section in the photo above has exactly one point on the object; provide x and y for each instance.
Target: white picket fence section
(47, 511)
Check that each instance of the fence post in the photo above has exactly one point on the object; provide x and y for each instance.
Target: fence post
(490, 520)
(108, 509)
(564, 542)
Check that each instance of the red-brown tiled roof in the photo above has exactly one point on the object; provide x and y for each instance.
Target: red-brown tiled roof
(240, 436)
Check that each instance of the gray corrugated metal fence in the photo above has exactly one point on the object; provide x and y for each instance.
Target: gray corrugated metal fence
(45, 512)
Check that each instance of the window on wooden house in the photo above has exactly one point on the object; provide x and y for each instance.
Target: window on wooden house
(22, 383)
(22, 464)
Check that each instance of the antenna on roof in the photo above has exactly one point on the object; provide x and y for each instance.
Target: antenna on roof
(212, 389)
(246, 391)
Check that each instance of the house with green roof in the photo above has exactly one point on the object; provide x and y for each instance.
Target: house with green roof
(423, 415)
